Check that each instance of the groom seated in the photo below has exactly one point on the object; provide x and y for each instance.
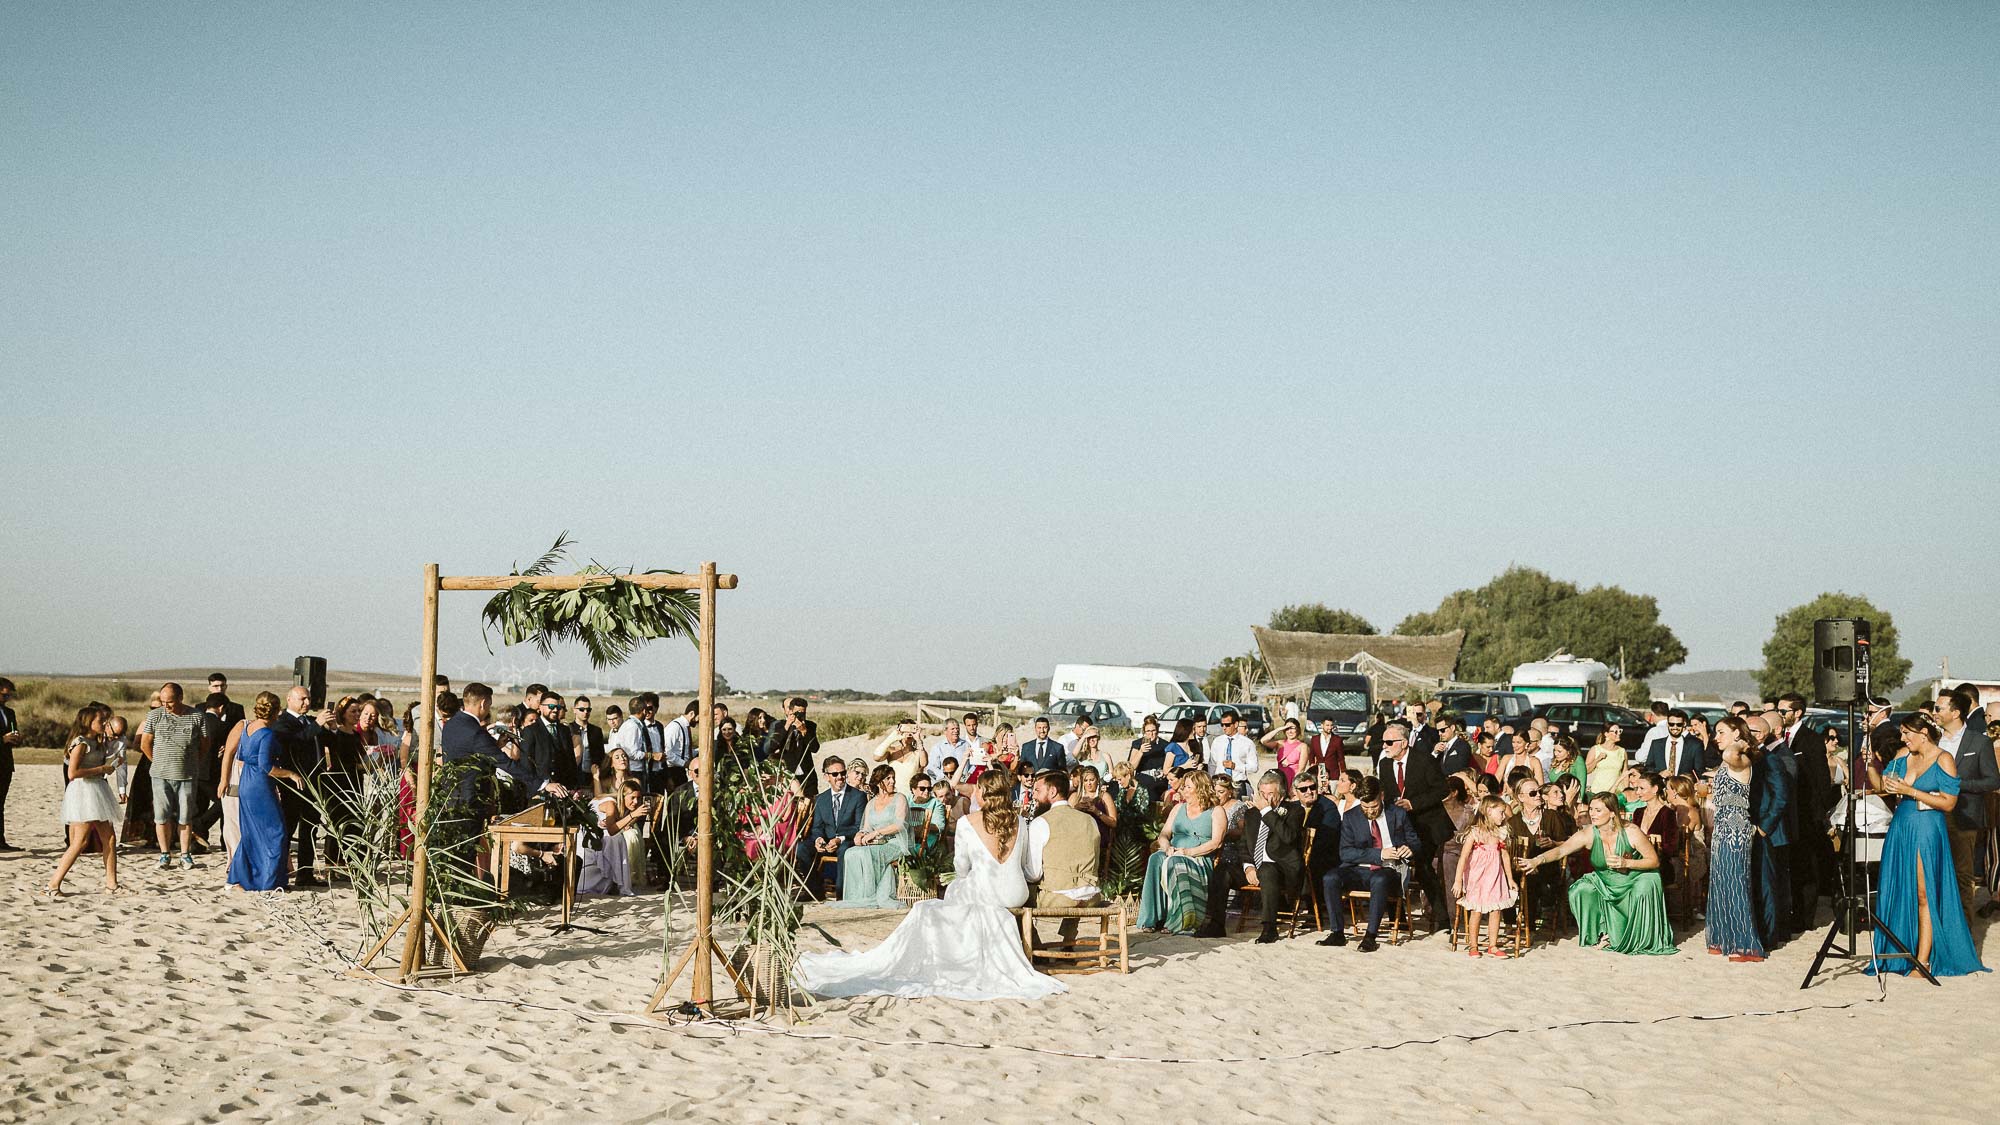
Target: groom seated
(1377, 846)
(1061, 860)
(836, 818)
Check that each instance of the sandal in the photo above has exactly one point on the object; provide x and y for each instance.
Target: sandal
(48, 892)
(1472, 953)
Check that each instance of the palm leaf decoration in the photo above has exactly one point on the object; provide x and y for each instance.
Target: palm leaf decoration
(611, 619)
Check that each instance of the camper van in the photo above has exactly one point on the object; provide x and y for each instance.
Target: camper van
(1140, 691)
(1563, 679)
(1347, 697)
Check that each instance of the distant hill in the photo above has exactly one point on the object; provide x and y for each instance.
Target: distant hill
(276, 674)
(1725, 685)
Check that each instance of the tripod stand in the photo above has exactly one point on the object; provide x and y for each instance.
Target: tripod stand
(1854, 908)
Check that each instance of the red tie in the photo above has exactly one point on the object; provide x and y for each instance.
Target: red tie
(1399, 777)
(1375, 833)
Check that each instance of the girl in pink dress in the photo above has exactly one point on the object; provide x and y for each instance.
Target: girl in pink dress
(1484, 884)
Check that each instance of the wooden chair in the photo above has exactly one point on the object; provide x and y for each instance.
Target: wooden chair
(1396, 932)
(1092, 953)
(1290, 916)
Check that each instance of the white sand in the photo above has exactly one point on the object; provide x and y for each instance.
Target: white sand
(181, 1001)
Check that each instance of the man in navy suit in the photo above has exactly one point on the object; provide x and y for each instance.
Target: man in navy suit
(1377, 845)
(836, 818)
(464, 736)
(1770, 817)
(1677, 751)
(1043, 752)
(1454, 752)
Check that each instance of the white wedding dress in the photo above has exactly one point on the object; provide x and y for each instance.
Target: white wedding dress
(965, 946)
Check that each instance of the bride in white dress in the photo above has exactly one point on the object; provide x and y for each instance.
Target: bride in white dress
(965, 946)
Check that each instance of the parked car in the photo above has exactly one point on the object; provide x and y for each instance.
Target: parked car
(1475, 706)
(1100, 712)
(1583, 721)
(1256, 719)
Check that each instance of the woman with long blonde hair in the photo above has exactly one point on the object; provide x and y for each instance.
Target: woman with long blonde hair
(1175, 896)
(965, 946)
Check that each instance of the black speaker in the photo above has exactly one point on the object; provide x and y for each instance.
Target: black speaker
(1840, 660)
(309, 672)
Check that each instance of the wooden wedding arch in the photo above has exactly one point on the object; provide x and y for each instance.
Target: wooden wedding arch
(416, 918)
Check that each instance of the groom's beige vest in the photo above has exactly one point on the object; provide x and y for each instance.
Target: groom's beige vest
(1069, 859)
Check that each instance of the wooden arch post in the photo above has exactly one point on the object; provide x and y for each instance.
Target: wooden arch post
(412, 922)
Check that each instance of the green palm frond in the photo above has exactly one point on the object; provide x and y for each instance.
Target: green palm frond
(611, 620)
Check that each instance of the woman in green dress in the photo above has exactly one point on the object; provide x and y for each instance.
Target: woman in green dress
(868, 874)
(1175, 898)
(1620, 904)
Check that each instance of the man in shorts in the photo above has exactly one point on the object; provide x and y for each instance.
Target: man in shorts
(172, 738)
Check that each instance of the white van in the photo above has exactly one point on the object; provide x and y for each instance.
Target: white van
(1563, 679)
(1140, 691)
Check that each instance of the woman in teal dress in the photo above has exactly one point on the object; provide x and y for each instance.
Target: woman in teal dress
(1620, 903)
(1918, 900)
(1175, 898)
(868, 874)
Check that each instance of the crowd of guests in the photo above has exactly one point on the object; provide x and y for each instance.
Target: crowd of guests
(1729, 824)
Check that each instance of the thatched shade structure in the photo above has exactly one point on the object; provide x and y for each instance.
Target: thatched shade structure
(1295, 658)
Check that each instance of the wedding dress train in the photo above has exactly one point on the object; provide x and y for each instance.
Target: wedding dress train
(965, 946)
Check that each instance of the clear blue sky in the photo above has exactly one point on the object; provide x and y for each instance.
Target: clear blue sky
(981, 337)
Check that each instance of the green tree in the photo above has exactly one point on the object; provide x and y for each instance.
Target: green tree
(1225, 681)
(1788, 655)
(1635, 694)
(1317, 617)
(1524, 615)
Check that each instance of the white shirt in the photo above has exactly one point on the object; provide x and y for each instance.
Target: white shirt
(1238, 748)
(1069, 742)
(630, 738)
(1949, 743)
(1031, 861)
(679, 743)
(1382, 826)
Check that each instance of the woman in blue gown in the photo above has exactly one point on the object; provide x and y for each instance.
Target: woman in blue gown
(259, 861)
(1918, 900)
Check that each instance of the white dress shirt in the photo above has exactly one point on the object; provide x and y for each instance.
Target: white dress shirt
(1238, 748)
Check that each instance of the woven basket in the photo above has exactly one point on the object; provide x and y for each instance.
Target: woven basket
(759, 966)
(471, 928)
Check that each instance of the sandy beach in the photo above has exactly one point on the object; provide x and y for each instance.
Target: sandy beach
(182, 1001)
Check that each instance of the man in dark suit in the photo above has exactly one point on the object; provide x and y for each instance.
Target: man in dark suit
(1328, 748)
(1770, 843)
(1322, 819)
(10, 737)
(546, 745)
(1678, 752)
(1411, 781)
(1812, 795)
(1044, 753)
(1965, 739)
(1273, 832)
(299, 749)
(836, 818)
(1377, 845)
(1417, 720)
(232, 711)
(464, 737)
(795, 742)
(1454, 750)
(586, 738)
